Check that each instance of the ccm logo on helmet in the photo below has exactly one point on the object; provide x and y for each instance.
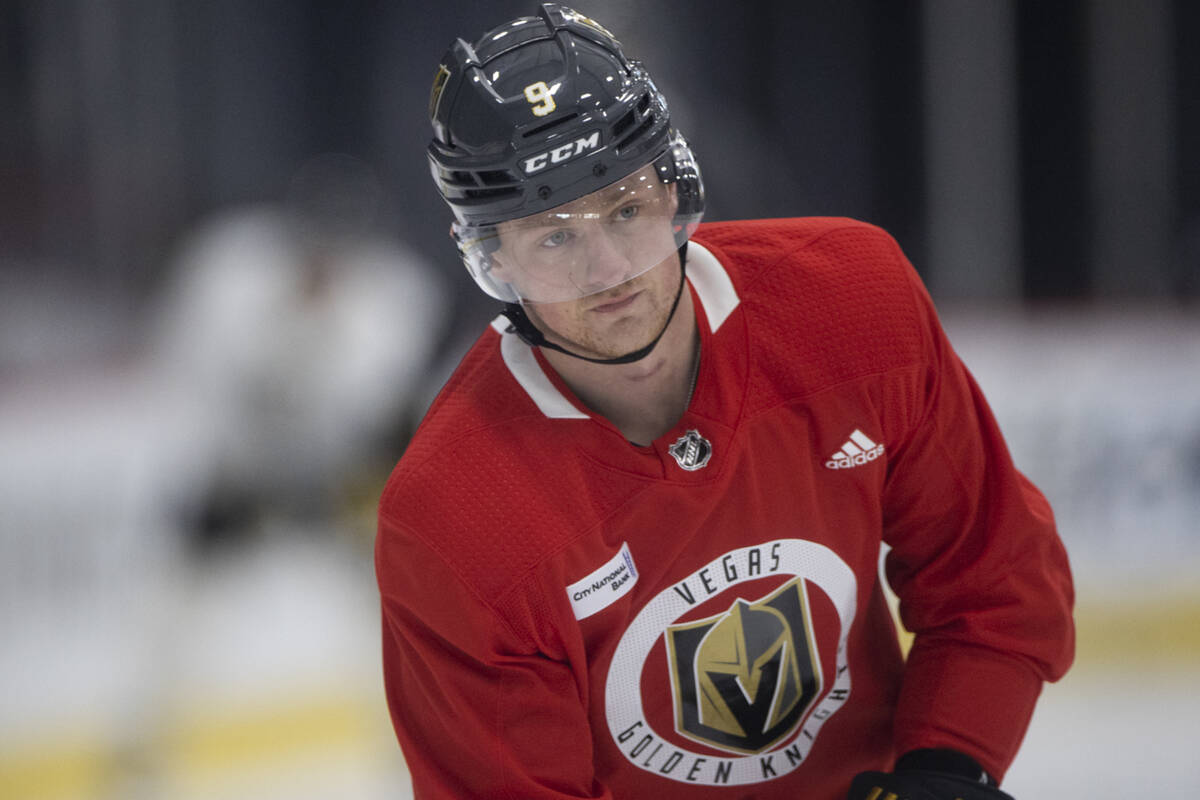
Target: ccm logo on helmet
(562, 153)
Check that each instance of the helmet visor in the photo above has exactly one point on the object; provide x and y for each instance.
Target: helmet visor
(579, 248)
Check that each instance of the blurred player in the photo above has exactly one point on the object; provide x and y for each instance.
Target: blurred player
(281, 344)
(632, 550)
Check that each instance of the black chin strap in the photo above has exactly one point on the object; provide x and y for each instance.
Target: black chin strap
(522, 326)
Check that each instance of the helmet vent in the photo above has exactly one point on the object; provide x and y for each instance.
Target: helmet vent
(623, 125)
(636, 135)
(484, 195)
(496, 177)
(621, 132)
(548, 125)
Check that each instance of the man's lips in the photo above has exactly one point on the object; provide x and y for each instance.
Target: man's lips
(616, 305)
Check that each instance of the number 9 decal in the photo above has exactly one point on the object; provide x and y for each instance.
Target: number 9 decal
(540, 96)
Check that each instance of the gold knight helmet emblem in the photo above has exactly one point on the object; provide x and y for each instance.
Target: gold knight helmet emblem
(743, 680)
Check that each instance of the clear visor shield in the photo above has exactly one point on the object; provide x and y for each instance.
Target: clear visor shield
(582, 247)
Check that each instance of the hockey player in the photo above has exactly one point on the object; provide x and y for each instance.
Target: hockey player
(632, 551)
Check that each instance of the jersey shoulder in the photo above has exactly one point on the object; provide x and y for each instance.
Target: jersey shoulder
(799, 247)
(826, 299)
(491, 485)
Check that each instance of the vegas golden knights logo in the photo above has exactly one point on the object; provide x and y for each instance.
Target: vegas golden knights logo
(744, 679)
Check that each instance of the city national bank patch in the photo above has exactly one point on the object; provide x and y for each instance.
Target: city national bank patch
(605, 586)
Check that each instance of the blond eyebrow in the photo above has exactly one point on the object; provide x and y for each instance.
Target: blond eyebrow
(618, 187)
(602, 197)
(611, 192)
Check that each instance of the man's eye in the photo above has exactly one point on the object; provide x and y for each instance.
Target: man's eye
(556, 239)
(628, 212)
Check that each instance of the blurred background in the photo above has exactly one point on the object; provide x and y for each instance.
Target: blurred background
(227, 295)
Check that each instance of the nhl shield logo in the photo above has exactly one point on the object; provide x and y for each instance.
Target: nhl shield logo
(744, 679)
(691, 451)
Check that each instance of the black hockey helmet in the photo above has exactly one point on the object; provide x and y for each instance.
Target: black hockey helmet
(539, 112)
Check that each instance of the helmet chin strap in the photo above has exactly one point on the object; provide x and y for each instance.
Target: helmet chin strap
(530, 335)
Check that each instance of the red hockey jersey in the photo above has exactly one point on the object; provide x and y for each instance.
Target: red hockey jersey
(566, 614)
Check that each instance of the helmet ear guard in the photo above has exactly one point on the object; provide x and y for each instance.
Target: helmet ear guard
(682, 170)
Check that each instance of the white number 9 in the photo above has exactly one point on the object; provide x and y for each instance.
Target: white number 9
(539, 95)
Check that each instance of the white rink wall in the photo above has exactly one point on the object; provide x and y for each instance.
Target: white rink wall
(1102, 411)
(132, 670)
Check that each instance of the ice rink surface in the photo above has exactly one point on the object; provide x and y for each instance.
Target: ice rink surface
(131, 670)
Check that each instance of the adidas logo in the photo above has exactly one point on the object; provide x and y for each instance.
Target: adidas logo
(858, 450)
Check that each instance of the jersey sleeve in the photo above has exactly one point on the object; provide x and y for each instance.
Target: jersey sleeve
(479, 709)
(982, 577)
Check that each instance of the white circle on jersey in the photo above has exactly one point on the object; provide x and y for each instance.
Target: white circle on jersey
(747, 682)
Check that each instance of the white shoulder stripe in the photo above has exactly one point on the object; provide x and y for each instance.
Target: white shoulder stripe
(519, 359)
(712, 285)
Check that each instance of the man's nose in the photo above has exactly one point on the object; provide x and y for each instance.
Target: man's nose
(607, 263)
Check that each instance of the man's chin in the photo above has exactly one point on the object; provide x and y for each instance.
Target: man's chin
(614, 347)
(612, 332)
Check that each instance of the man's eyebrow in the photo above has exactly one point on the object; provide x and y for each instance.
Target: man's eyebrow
(612, 191)
(601, 197)
(622, 186)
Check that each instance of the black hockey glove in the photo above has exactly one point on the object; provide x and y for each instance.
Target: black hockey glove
(927, 775)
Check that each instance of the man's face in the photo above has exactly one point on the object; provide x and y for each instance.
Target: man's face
(611, 255)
